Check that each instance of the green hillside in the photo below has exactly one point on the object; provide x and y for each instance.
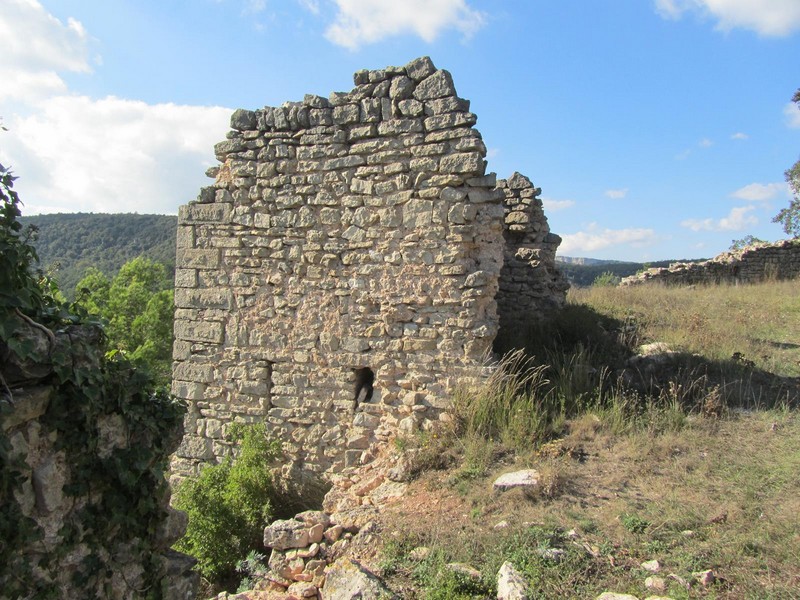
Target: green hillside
(68, 244)
(582, 275)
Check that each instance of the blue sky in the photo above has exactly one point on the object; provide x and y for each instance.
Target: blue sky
(656, 128)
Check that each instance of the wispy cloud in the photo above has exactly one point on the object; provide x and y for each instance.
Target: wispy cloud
(737, 220)
(617, 194)
(705, 143)
(766, 17)
(552, 205)
(594, 239)
(792, 113)
(311, 6)
(760, 192)
(740, 136)
(361, 22)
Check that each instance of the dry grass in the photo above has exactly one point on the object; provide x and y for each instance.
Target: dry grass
(681, 476)
(760, 322)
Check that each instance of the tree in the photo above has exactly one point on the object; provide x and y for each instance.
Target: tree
(748, 240)
(789, 217)
(138, 307)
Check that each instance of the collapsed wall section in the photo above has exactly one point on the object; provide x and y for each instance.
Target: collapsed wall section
(751, 264)
(350, 246)
(531, 286)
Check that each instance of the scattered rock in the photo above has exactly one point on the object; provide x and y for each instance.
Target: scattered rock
(510, 584)
(705, 578)
(656, 584)
(615, 596)
(527, 478)
(348, 580)
(652, 565)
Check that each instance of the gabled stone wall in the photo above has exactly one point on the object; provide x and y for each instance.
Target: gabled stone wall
(752, 264)
(345, 239)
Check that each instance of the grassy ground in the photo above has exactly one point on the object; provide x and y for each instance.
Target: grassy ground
(681, 478)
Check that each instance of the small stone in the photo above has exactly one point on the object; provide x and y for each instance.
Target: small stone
(652, 565)
(656, 584)
(615, 596)
(285, 534)
(464, 569)
(705, 578)
(526, 478)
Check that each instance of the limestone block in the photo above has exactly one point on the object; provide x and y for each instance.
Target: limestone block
(464, 162)
(420, 68)
(195, 447)
(284, 534)
(243, 119)
(29, 404)
(199, 331)
(48, 483)
(197, 258)
(217, 212)
(203, 298)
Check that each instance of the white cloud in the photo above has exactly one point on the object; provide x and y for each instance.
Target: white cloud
(617, 194)
(111, 155)
(35, 46)
(792, 113)
(597, 239)
(705, 143)
(766, 17)
(760, 192)
(551, 205)
(360, 22)
(740, 136)
(737, 220)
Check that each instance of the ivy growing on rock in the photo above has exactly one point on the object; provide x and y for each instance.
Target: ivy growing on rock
(105, 420)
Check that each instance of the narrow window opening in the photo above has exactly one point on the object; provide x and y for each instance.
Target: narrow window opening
(365, 379)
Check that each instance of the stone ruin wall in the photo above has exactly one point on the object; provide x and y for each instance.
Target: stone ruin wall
(752, 264)
(358, 231)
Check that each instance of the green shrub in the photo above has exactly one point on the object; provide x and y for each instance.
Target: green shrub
(229, 504)
(606, 279)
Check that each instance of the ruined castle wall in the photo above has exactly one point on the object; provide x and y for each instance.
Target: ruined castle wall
(341, 233)
(531, 286)
(749, 265)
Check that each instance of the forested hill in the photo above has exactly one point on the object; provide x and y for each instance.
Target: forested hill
(584, 273)
(68, 244)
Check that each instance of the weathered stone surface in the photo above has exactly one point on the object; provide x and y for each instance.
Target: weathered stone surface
(341, 234)
(524, 478)
(511, 584)
(285, 534)
(348, 580)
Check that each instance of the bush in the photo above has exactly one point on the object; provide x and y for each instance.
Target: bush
(229, 504)
(606, 279)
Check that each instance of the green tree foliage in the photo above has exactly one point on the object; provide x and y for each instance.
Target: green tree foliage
(137, 305)
(607, 279)
(229, 504)
(70, 244)
(748, 240)
(789, 217)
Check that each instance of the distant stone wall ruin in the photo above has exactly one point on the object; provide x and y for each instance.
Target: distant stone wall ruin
(350, 237)
(752, 264)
